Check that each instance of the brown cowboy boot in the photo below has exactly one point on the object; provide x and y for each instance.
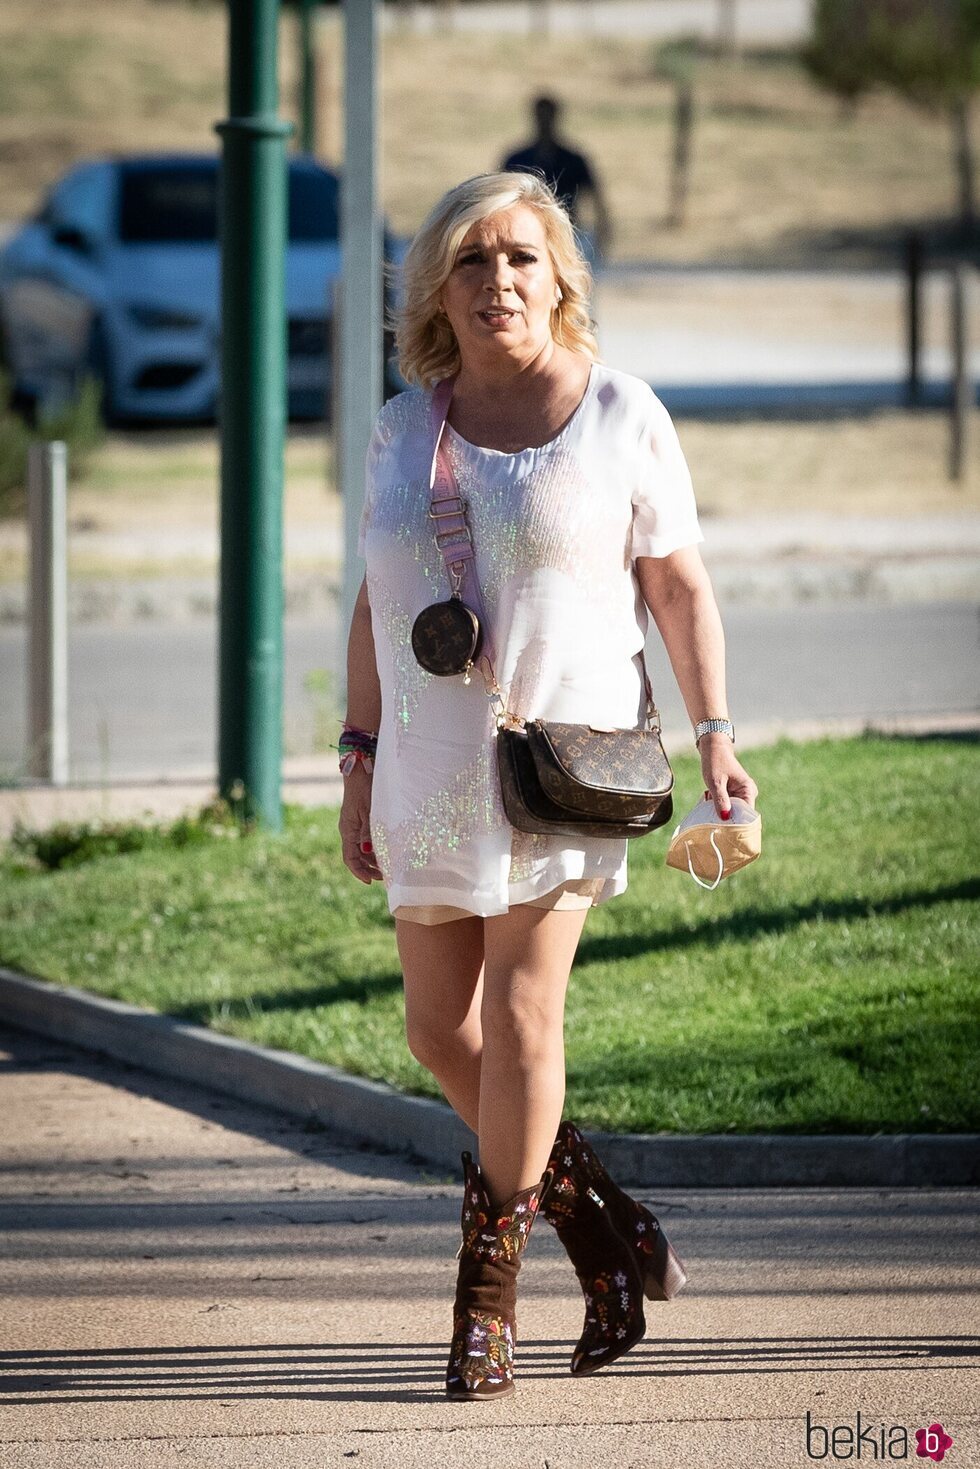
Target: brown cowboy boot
(618, 1249)
(481, 1354)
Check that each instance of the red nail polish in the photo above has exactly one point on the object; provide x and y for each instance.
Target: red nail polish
(726, 815)
(366, 847)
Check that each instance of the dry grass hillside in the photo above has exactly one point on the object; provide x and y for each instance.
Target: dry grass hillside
(780, 172)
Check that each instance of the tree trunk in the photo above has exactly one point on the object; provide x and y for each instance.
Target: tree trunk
(727, 27)
(965, 165)
(405, 11)
(681, 161)
(539, 17)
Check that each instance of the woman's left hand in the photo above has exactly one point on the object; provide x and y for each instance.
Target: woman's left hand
(724, 776)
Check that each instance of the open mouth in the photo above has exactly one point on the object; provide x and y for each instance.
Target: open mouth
(496, 315)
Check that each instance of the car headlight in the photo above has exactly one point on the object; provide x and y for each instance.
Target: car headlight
(162, 319)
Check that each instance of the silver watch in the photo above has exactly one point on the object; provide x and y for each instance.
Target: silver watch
(714, 726)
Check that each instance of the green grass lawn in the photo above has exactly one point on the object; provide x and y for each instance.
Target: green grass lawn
(829, 987)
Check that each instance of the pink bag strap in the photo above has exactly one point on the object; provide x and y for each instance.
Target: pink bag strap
(448, 508)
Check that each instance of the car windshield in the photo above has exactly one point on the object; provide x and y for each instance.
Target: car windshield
(178, 204)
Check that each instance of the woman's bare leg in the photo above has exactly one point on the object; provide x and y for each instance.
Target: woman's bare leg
(443, 968)
(485, 1013)
(528, 953)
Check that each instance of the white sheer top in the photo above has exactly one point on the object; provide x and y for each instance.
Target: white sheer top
(556, 531)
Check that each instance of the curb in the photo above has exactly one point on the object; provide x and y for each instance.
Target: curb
(375, 1115)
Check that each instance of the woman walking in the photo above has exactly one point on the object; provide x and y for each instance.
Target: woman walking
(582, 518)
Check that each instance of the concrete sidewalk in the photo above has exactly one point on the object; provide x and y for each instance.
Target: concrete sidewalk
(187, 1280)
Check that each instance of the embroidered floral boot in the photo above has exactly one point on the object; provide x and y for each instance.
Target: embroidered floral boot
(618, 1249)
(481, 1354)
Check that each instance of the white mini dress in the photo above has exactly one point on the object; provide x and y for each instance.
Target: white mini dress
(556, 532)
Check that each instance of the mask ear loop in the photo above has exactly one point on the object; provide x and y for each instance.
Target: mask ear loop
(708, 886)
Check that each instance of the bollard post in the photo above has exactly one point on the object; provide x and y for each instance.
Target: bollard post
(914, 262)
(962, 391)
(359, 387)
(47, 651)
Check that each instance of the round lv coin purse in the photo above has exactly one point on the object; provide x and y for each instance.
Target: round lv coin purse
(446, 637)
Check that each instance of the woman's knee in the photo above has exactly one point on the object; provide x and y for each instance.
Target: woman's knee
(528, 957)
(443, 974)
(523, 1016)
(441, 1047)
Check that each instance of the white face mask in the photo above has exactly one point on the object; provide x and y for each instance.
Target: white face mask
(709, 848)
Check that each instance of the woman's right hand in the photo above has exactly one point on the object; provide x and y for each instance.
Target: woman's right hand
(355, 825)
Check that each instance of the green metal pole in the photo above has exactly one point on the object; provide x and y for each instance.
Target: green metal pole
(307, 71)
(253, 206)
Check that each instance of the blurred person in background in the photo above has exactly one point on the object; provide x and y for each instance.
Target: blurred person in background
(568, 174)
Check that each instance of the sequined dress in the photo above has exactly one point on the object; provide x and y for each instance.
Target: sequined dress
(556, 531)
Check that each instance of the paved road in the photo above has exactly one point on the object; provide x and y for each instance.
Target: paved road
(799, 341)
(189, 1281)
(143, 697)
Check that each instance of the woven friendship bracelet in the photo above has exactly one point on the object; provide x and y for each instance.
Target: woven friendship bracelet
(356, 744)
(353, 734)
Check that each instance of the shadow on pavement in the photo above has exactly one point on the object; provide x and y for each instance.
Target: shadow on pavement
(359, 1372)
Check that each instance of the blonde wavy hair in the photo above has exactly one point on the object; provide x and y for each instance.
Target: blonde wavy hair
(426, 343)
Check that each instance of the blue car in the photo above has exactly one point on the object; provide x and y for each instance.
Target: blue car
(118, 275)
